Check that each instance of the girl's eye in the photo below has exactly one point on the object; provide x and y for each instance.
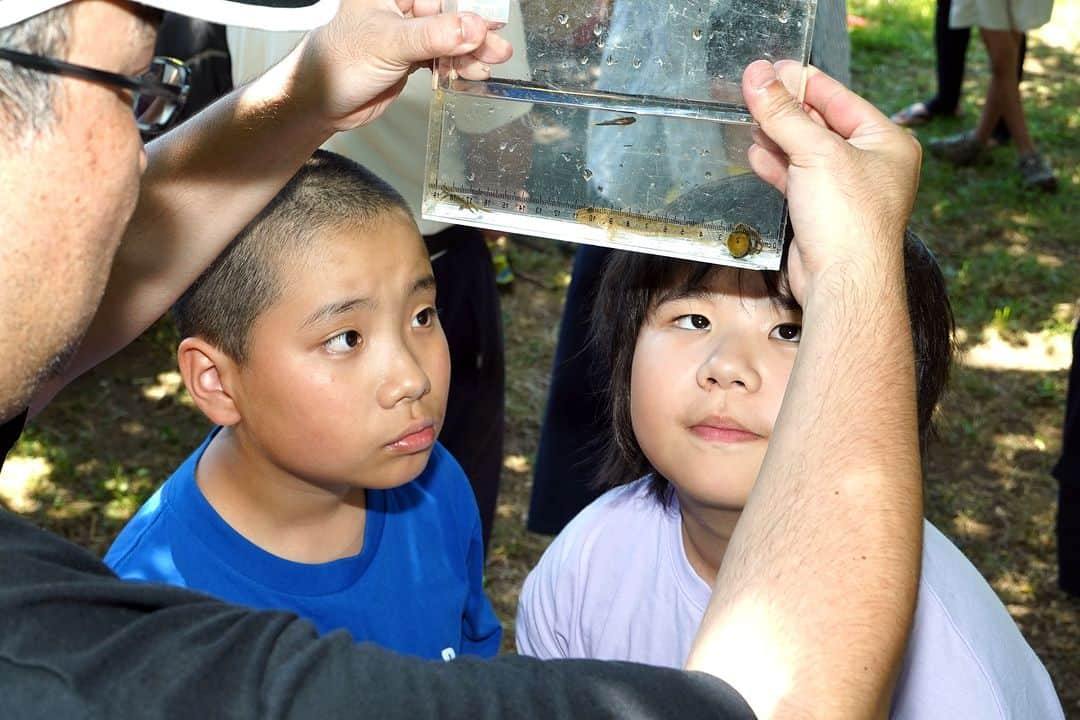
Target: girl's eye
(424, 318)
(343, 342)
(788, 332)
(692, 322)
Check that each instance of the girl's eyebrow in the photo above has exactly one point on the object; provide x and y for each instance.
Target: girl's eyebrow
(788, 302)
(684, 293)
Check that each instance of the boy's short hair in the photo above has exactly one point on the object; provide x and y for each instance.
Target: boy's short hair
(328, 191)
(633, 284)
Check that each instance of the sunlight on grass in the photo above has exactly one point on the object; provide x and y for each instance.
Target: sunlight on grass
(168, 385)
(20, 479)
(518, 464)
(1030, 351)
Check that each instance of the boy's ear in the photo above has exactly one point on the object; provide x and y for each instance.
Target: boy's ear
(206, 372)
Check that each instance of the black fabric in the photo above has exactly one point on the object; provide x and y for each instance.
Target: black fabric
(951, 45)
(9, 434)
(574, 420)
(471, 316)
(1067, 472)
(76, 642)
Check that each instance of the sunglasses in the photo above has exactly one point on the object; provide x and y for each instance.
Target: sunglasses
(157, 94)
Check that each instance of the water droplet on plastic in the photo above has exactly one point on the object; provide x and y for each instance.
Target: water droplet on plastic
(636, 63)
(502, 145)
(783, 17)
(696, 34)
(597, 30)
(610, 60)
(470, 177)
(659, 61)
(587, 174)
(566, 157)
(600, 188)
(584, 60)
(600, 43)
(708, 174)
(562, 18)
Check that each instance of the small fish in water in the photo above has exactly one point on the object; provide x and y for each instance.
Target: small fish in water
(744, 240)
(462, 202)
(628, 120)
(615, 220)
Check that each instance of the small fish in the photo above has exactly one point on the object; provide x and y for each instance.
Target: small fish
(628, 120)
(744, 240)
(462, 202)
(617, 220)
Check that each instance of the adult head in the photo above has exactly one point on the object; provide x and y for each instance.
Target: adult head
(71, 159)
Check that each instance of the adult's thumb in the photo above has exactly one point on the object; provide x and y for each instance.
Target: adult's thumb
(451, 34)
(780, 115)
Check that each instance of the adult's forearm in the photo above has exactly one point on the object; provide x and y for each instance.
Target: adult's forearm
(818, 585)
(204, 182)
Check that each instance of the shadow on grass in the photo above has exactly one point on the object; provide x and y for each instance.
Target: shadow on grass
(108, 441)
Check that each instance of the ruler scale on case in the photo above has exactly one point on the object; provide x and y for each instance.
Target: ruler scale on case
(625, 128)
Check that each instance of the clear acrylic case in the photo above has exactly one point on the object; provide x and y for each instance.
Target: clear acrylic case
(620, 123)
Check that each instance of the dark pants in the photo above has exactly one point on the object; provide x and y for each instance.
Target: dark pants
(575, 421)
(1067, 472)
(468, 303)
(951, 46)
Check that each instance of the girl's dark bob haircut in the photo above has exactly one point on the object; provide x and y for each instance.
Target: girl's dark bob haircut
(633, 284)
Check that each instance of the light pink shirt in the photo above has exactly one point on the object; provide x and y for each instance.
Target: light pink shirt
(616, 585)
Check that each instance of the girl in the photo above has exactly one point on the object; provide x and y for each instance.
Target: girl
(699, 358)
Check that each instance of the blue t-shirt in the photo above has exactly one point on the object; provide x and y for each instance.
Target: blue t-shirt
(416, 586)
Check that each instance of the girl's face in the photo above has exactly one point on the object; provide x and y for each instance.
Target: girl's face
(709, 373)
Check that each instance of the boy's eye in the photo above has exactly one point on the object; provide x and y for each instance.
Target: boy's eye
(788, 332)
(343, 342)
(692, 322)
(424, 318)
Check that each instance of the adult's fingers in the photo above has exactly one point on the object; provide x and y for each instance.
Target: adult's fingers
(842, 110)
(777, 111)
(772, 167)
(423, 38)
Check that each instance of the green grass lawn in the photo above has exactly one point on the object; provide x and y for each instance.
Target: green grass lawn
(1012, 260)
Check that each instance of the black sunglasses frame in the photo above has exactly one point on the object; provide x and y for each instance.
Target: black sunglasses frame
(176, 94)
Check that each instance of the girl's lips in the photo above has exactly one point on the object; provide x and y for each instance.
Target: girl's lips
(723, 434)
(414, 440)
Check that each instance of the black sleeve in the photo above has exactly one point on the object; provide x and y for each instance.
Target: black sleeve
(77, 642)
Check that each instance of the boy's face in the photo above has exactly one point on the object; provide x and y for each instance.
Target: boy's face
(708, 378)
(347, 374)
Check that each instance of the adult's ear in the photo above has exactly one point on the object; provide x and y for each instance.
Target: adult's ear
(206, 371)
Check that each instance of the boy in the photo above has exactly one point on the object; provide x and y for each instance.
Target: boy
(313, 344)
(699, 359)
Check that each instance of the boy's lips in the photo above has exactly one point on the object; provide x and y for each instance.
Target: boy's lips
(419, 436)
(723, 429)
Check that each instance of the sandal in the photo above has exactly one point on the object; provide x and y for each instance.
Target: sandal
(918, 113)
(913, 115)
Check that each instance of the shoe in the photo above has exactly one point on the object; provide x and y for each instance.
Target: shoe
(919, 113)
(1035, 172)
(959, 149)
(504, 274)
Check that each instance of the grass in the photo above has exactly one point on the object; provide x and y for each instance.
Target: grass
(1011, 258)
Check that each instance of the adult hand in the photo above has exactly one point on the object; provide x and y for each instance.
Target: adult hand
(350, 70)
(850, 175)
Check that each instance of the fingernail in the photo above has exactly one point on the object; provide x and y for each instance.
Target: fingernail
(761, 74)
(473, 28)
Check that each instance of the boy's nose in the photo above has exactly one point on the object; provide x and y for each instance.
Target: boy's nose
(728, 366)
(406, 381)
